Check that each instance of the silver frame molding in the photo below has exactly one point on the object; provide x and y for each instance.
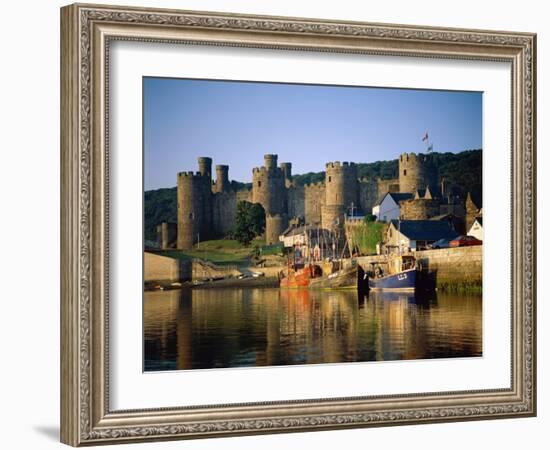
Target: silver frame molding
(86, 31)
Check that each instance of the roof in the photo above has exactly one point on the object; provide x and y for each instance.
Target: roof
(396, 196)
(444, 216)
(425, 230)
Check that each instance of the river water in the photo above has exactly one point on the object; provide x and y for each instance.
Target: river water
(211, 328)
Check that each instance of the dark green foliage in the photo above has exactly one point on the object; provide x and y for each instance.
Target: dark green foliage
(308, 178)
(385, 170)
(460, 169)
(463, 170)
(237, 185)
(159, 206)
(249, 222)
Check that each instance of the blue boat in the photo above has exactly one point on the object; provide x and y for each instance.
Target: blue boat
(401, 275)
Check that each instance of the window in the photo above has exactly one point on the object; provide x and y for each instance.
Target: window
(405, 172)
(259, 184)
(329, 179)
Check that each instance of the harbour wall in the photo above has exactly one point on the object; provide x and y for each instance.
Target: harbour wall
(164, 269)
(160, 268)
(449, 268)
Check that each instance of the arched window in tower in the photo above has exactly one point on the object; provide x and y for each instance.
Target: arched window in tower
(329, 179)
(405, 172)
(259, 184)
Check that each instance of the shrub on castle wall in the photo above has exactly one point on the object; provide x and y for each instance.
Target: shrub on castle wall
(249, 222)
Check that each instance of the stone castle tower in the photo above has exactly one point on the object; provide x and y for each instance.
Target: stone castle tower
(195, 204)
(269, 190)
(417, 172)
(222, 179)
(340, 193)
(286, 167)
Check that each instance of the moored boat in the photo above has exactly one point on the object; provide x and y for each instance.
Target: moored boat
(400, 276)
(344, 278)
(296, 277)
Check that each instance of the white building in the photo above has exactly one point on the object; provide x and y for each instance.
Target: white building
(410, 235)
(476, 230)
(388, 208)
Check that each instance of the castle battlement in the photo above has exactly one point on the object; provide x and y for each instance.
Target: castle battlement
(338, 164)
(318, 185)
(267, 171)
(191, 174)
(413, 157)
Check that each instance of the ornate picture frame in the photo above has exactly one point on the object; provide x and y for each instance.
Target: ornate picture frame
(86, 34)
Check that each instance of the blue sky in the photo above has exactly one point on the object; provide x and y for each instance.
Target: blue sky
(236, 123)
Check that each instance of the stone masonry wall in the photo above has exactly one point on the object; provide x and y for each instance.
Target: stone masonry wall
(163, 269)
(452, 266)
(224, 210)
(419, 209)
(160, 268)
(296, 201)
(313, 202)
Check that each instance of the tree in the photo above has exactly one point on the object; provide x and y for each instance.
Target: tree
(249, 222)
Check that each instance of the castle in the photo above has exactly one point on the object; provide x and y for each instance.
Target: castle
(206, 208)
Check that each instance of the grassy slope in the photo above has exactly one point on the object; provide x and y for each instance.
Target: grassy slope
(223, 252)
(367, 235)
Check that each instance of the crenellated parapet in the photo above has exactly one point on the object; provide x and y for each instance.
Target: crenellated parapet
(337, 165)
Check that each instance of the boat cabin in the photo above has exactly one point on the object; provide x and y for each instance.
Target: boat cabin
(400, 263)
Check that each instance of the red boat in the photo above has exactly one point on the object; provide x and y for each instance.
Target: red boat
(300, 277)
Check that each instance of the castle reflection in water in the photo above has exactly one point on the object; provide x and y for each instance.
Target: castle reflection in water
(203, 329)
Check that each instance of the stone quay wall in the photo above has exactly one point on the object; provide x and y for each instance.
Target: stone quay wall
(449, 267)
(164, 269)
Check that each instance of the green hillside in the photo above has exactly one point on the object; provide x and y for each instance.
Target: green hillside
(461, 169)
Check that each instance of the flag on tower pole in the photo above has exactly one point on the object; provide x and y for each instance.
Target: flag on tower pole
(425, 137)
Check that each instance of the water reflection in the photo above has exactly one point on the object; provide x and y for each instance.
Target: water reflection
(192, 329)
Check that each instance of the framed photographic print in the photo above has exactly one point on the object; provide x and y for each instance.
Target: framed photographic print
(275, 224)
